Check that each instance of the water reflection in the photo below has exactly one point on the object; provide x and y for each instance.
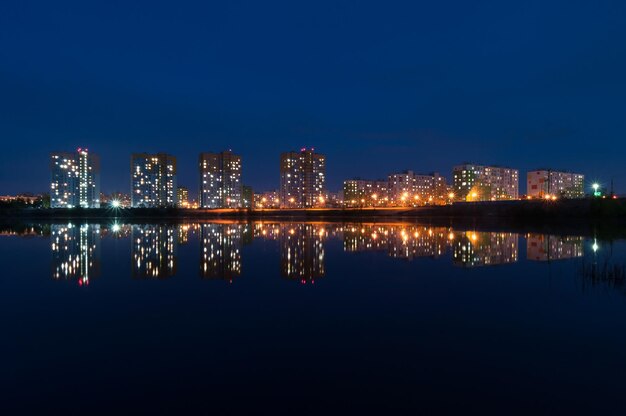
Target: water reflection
(302, 252)
(541, 247)
(76, 248)
(473, 249)
(154, 251)
(75, 252)
(400, 242)
(221, 250)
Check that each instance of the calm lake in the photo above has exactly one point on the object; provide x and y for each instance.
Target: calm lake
(309, 318)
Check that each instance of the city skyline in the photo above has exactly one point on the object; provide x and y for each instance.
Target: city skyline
(429, 82)
(302, 183)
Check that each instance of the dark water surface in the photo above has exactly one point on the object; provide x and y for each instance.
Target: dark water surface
(309, 318)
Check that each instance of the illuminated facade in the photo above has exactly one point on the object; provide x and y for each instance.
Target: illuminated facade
(153, 180)
(75, 179)
(548, 183)
(485, 183)
(362, 192)
(75, 252)
(269, 199)
(182, 197)
(302, 179)
(220, 180)
(409, 188)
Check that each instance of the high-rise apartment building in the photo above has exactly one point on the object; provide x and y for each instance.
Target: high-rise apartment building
(220, 180)
(549, 183)
(153, 180)
(302, 179)
(484, 183)
(75, 179)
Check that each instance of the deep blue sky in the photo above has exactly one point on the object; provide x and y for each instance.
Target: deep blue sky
(377, 86)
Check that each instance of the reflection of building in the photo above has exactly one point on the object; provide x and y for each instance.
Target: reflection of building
(221, 250)
(547, 183)
(551, 247)
(154, 251)
(404, 242)
(471, 249)
(484, 183)
(75, 179)
(153, 180)
(362, 192)
(302, 252)
(220, 180)
(302, 179)
(75, 252)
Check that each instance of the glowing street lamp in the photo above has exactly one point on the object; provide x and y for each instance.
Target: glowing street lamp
(596, 190)
(115, 203)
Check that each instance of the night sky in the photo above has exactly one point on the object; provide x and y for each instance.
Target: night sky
(376, 86)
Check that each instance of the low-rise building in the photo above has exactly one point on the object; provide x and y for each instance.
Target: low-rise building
(473, 182)
(546, 183)
(361, 192)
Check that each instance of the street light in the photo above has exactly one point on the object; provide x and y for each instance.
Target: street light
(596, 189)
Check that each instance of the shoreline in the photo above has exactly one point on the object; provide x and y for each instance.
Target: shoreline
(602, 218)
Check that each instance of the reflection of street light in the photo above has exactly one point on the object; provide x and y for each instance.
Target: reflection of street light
(595, 247)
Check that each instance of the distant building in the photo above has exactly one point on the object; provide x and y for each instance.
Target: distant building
(153, 180)
(220, 180)
(120, 199)
(247, 197)
(546, 183)
(75, 179)
(302, 179)
(409, 188)
(361, 192)
(334, 199)
(182, 197)
(27, 199)
(269, 199)
(484, 183)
